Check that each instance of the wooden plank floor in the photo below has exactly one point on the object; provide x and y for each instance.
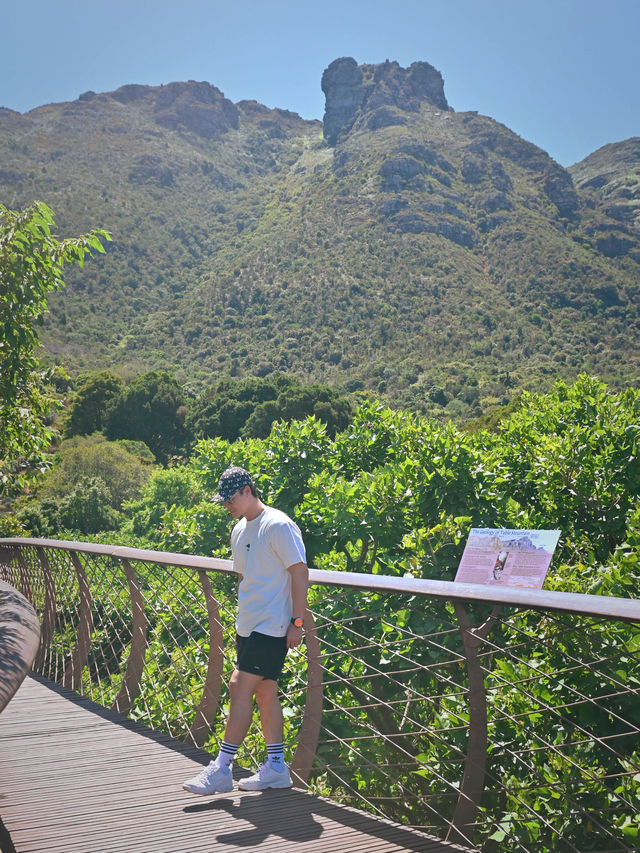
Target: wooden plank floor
(76, 778)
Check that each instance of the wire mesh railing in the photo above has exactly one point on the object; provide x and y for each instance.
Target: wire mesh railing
(500, 719)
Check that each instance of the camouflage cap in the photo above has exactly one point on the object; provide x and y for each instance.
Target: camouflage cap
(231, 481)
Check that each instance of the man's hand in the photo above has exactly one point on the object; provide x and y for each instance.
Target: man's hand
(294, 636)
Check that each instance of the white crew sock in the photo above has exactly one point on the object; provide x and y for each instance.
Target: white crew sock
(226, 754)
(275, 754)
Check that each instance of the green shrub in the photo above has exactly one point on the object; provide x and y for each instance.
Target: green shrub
(95, 457)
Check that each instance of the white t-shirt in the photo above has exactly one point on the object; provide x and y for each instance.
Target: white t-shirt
(263, 549)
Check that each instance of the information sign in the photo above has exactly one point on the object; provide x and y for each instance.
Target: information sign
(508, 557)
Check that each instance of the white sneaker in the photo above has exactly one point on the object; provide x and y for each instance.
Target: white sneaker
(266, 777)
(212, 780)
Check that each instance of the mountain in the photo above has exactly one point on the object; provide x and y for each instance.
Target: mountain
(609, 183)
(432, 256)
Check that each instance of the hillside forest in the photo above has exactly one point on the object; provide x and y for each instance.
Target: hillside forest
(430, 257)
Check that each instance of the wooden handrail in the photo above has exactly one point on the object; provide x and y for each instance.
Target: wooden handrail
(625, 609)
(19, 640)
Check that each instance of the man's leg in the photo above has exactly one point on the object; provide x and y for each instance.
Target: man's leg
(271, 720)
(216, 777)
(242, 686)
(274, 773)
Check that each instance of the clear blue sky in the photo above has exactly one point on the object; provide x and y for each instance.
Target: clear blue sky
(561, 73)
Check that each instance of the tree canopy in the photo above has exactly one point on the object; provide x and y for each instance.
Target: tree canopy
(248, 407)
(150, 409)
(87, 486)
(94, 393)
(31, 266)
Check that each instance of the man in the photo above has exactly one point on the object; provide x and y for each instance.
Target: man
(269, 556)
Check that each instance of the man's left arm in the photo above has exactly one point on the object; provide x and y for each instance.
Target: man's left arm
(299, 589)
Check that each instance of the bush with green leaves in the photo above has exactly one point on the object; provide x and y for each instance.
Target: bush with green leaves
(86, 509)
(165, 488)
(570, 458)
(94, 456)
(86, 489)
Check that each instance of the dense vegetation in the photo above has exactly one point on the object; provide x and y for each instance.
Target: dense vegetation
(31, 265)
(114, 431)
(373, 495)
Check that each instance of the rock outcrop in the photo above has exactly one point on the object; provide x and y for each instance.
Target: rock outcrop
(558, 187)
(128, 94)
(198, 107)
(352, 90)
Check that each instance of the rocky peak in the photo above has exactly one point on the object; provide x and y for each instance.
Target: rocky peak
(192, 106)
(125, 94)
(352, 90)
(198, 107)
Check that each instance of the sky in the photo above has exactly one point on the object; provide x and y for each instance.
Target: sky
(561, 73)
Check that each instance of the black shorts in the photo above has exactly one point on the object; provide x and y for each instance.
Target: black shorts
(261, 654)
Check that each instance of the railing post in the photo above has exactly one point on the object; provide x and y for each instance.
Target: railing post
(473, 780)
(312, 717)
(130, 685)
(8, 558)
(73, 672)
(49, 616)
(25, 580)
(206, 711)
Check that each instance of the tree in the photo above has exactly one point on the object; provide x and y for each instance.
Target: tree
(88, 507)
(249, 407)
(223, 409)
(150, 409)
(571, 457)
(319, 400)
(94, 393)
(96, 458)
(87, 486)
(31, 266)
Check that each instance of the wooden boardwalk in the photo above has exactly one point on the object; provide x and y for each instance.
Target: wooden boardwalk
(76, 778)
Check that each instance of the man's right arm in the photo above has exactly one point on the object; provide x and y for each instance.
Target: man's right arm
(299, 590)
